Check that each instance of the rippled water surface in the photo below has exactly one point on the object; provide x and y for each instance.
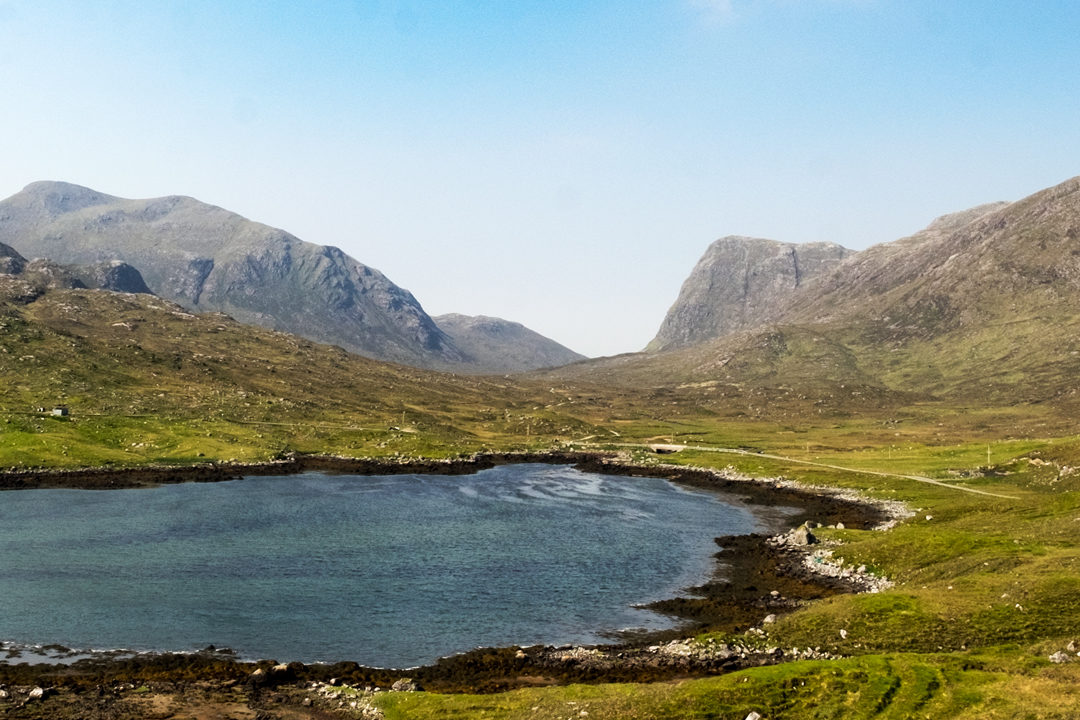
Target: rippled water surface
(388, 570)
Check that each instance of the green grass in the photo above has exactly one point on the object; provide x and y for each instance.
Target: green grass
(888, 686)
(986, 588)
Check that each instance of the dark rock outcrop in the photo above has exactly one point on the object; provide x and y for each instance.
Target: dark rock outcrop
(11, 262)
(111, 275)
(46, 274)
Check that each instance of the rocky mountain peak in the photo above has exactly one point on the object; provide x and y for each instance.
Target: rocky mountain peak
(209, 259)
(738, 283)
(54, 198)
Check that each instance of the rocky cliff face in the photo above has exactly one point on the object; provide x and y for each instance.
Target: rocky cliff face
(741, 282)
(494, 345)
(208, 259)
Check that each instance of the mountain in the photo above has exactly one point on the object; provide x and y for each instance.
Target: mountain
(495, 345)
(209, 259)
(981, 306)
(871, 275)
(165, 384)
(741, 282)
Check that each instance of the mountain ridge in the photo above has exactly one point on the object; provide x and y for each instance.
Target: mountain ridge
(207, 258)
(980, 305)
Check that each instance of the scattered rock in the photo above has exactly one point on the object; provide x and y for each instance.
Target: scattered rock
(753, 716)
(277, 675)
(405, 685)
(802, 536)
(769, 619)
(1059, 657)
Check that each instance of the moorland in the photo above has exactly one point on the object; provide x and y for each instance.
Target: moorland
(949, 356)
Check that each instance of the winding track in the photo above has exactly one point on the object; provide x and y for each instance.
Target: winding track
(737, 451)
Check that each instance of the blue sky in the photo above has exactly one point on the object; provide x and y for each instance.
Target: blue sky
(559, 164)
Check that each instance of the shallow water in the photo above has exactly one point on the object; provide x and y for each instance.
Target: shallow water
(385, 570)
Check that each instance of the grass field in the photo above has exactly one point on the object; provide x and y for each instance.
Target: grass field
(986, 588)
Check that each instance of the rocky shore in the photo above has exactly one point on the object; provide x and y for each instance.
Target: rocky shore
(757, 578)
(105, 478)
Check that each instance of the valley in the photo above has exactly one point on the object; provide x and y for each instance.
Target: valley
(936, 372)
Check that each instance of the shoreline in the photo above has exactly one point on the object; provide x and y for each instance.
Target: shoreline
(754, 576)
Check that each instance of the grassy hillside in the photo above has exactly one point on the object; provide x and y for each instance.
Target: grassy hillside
(148, 382)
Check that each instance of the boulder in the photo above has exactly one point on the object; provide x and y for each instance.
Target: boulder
(802, 536)
(405, 685)
(276, 675)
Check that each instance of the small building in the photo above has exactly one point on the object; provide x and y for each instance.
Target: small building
(60, 411)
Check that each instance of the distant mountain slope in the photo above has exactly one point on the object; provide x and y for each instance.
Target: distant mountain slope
(981, 306)
(500, 346)
(739, 283)
(869, 276)
(206, 258)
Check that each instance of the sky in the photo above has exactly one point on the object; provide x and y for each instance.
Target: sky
(560, 164)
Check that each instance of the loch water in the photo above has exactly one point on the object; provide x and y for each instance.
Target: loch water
(390, 571)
